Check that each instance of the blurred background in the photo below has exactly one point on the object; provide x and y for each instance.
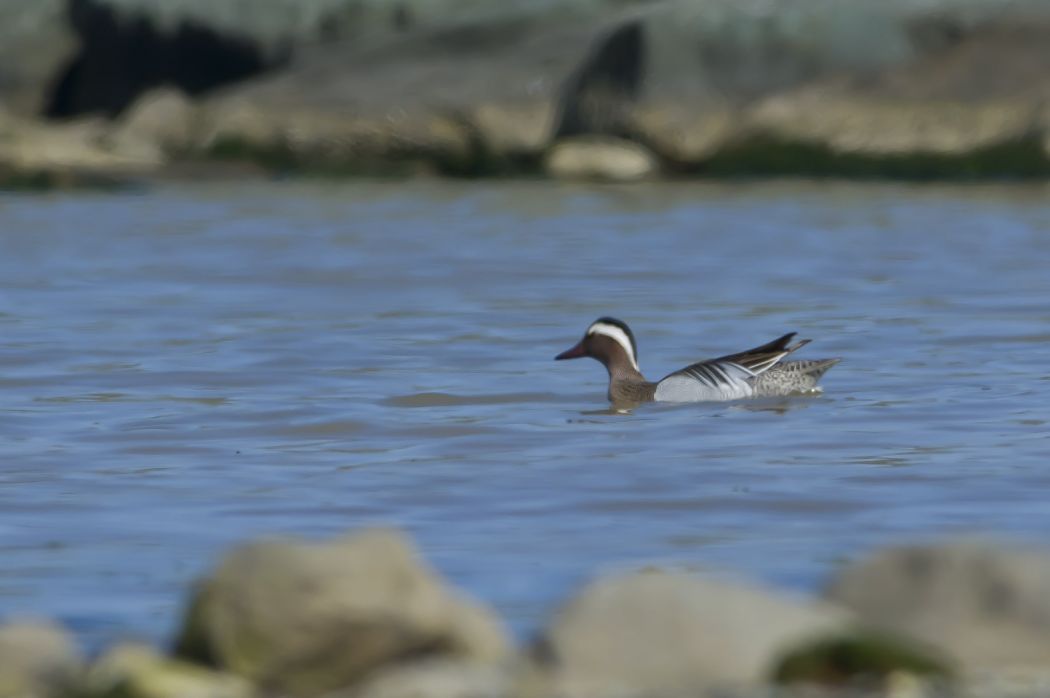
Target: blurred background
(615, 89)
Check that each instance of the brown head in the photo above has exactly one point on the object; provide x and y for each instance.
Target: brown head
(610, 341)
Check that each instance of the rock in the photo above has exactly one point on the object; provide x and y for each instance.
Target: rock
(46, 154)
(275, 24)
(670, 634)
(691, 80)
(305, 139)
(601, 158)
(439, 679)
(986, 605)
(466, 87)
(949, 102)
(161, 122)
(305, 619)
(520, 129)
(138, 671)
(861, 125)
(698, 80)
(703, 61)
(475, 99)
(131, 46)
(37, 659)
(36, 45)
(686, 136)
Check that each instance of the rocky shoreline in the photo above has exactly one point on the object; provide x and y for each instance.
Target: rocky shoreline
(362, 616)
(623, 90)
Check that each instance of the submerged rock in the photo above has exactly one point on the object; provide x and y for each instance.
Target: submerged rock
(672, 635)
(38, 659)
(304, 619)
(987, 606)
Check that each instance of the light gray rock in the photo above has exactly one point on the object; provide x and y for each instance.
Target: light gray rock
(38, 659)
(138, 671)
(474, 87)
(986, 604)
(118, 49)
(277, 24)
(61, 148)
(601, 158)
(951, 102)
(689, 78)
(857, 124)
(36, 44)
(671, 634)
(160, 123)
(707, 56)
(467, 98)
(305, 619)
(682, 134)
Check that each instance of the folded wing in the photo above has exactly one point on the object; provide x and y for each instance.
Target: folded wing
(728, 377)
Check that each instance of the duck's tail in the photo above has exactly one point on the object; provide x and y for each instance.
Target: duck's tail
(793, 377)
(814, 368)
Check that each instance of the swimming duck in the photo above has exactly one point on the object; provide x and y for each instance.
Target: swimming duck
(758, 372)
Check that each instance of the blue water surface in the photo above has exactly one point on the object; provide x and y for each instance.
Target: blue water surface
(191, 367)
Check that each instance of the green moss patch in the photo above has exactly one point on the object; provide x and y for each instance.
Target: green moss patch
(858, 657)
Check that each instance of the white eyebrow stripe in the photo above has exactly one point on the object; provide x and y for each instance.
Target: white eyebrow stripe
(619, 336)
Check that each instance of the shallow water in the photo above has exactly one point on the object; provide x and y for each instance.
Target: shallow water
(183, 369)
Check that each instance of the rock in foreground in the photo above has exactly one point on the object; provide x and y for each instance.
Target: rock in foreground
(671, 634)
(988, 606)
(37, 659)
(304, 619)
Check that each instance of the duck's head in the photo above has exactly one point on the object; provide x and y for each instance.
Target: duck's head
(608, 340)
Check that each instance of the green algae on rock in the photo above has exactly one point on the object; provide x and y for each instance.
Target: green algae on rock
(858, 658)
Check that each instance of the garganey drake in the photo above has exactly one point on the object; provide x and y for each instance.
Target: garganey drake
(758, 372)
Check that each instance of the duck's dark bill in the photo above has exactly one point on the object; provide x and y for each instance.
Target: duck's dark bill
(574, 353)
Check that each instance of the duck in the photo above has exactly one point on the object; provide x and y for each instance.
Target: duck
(757, 372)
